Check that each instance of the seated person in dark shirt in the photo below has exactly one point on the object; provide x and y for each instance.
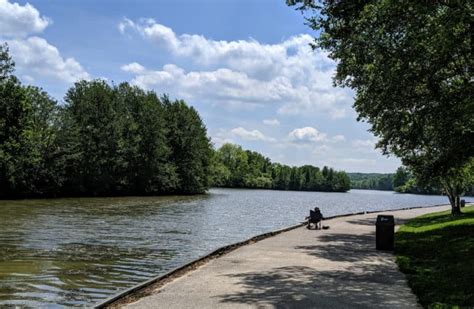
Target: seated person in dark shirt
(315, 217)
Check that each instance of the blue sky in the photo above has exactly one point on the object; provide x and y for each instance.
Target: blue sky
(245, 65)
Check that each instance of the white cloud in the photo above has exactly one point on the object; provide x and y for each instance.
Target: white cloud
(222, 86)
(271, 122)
(35, 58)
(219, 141)
(288, 74)
(38, 59)
(221, 137)
(133, 67)
(306, 135)
(254, 135)
(19, 21)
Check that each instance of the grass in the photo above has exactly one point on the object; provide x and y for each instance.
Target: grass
(436, 253)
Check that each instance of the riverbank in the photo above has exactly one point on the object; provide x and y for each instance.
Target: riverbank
(298, 268)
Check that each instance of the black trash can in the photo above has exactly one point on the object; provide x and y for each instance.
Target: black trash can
(384, 232)
(463, 203)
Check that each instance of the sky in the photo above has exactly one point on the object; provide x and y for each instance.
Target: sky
(245, 65)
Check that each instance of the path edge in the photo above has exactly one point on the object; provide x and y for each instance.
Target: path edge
(146, 287)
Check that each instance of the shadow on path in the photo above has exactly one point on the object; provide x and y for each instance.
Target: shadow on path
(305, 287)
(358, 276)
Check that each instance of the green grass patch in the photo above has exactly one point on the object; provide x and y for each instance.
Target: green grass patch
(436, 253)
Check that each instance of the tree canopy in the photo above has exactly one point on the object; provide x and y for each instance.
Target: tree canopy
(104, 140)
(237, 168)
(410, 63)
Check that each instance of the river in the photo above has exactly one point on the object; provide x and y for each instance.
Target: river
(78, 251)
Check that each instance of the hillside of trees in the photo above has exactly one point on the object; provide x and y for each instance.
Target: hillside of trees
(234, 167)
(403, 181)
(371, 181)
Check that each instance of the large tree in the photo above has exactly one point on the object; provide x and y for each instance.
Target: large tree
(104, 140)
(28, 131)
(190, 148)
(410, 64)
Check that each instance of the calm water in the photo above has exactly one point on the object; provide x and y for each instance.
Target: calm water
(75, 252)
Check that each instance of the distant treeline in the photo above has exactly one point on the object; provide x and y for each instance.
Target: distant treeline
(237, 168)
(371, 181)
(105, 140)
(402, 181)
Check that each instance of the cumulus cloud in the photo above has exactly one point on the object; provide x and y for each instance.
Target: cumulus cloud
(288, 74)
(271, 122)
(38, 58)
(248, 55)
(307, 134)
(133, 67)
(19, 21)
(222, 86)
(253, 135)
(34, 57)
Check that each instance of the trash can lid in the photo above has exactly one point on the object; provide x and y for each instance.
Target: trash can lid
(385, 219)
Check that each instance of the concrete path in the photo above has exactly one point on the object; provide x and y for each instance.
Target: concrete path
(335, 268)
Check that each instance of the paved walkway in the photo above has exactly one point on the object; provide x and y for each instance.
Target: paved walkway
(335, 268)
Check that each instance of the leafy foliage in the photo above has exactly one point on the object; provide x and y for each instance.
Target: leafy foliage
(410, 63)
(105, 140)
(238, 168)
(190, 148)
(372, 181)
(7, 66)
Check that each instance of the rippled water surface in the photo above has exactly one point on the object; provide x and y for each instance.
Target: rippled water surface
(76, 252)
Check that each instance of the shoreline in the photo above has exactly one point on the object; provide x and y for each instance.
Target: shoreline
(146, 288)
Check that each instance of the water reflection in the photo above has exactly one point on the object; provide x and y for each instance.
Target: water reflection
(75, 252)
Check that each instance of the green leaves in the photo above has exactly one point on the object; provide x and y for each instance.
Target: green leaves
(410, 63)
(106, 140)
(131, 142)
(190, 148)
(28, 144)
(234, 167)
(7, 66)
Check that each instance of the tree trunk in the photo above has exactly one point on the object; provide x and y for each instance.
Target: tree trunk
(454, 199)
(456, 208)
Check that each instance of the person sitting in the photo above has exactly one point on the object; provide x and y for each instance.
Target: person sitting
(315, 217)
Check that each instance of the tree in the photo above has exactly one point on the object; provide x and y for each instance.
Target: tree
(92, 139)
(147, 169)
(219, 172)
(402, 175)
(189, 145)
(28, 128)
(410, 63)
(7, 65)
(105, 140)
(45, 167)
(234, 167)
